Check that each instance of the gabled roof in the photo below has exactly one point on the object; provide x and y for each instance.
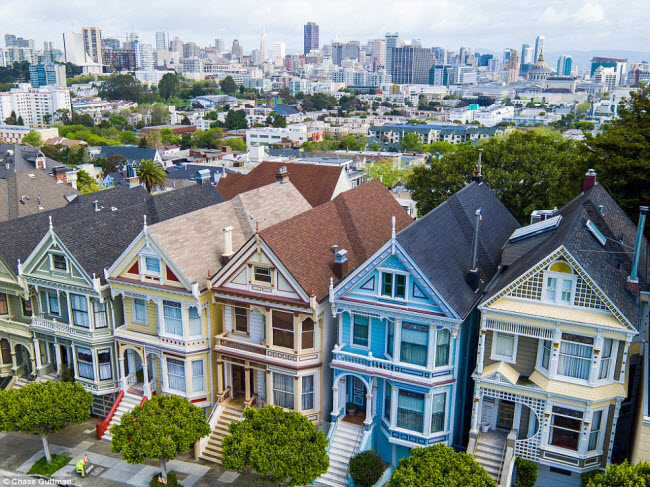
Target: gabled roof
(440, 243)
(608, 266)
(315, 182)
(284, 109)
(195, 243)
(132, 154)
(15, 158)
(358, 220)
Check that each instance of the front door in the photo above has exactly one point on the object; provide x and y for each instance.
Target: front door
(238, 380)
(506, 415)
(358, 393)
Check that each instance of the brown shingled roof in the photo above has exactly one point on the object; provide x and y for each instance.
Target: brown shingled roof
(358, 220)
(316, 182)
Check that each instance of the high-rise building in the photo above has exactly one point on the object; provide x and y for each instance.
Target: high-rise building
(439, 74)
(564, 65)
(190, 49)
(74, 50)
(410, 65)
(47, 75)
(539, 47)
(10, 40)
(527, 54)
(177, 46)
(264, 48)
(311, 40)
(392, 42)
(484, 59)
(143, 56)
(120, 59)
(162, 41)
(464, 54)
(219, 45)
(348, 50)
(33, 104)
(237, 50)
(439, 54)
(513, 66)
(279, 51)
(619, 67)
(92, 39)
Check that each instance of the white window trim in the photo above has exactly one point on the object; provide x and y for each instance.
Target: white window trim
(143, 266)
(502, 358)
(601, 433)
(163, 328)
(191, 364)
(58, 300)
(133, 314)
(546, 441)
(386, 324)
(67, 263)
(352, 344)
(575, 380)
(185, 374)
(612, 362)
(262, 283)
(447, 419)
(189, 321)
(538, 362)
(559, 276)
(393, 272)
(233, 318)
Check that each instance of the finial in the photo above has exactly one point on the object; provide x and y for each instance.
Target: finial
(331, 282)
(144, 223)
(50, 217)
(393, 231)
(257, 227)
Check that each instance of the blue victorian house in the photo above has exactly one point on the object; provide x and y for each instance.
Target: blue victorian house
(408, 331)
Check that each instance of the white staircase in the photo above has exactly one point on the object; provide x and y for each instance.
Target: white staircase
(49, 377)
(128, 402)
(343, 446)
(489, 452)
(213, 451)
(20, 382)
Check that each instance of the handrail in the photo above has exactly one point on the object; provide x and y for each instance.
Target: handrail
(508, 465)
(111, 398)
(102, 426)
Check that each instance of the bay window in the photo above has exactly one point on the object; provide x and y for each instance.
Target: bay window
(79, 306)
(504, 347)
(99, 314)
(443, 337)
(241, 320)
(565, 428)
(594, 430)
(195, 321)
(283, 390)
(197, 376)
(307, 334)
(575, 356)
(410, 410)
(176, 374)
(361, 330)
(104, 364)
(438, 412)
(546, 353)
(4, 309)
(606, 358)
(139, 310)
(414, 344)
(307, 392)
(282, 324)
(85, 363)
(173, 318)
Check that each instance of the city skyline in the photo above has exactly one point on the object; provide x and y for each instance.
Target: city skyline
(572, 25)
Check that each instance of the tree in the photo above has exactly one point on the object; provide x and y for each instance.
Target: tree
(526, 170)
(279, 121)
(32, 138)
(152, 175)
(228, 85)
(118, 121)
(112, 163)
(282, 446)
(236, 120)
(169, 86)
(85, 183)
(159, 114)
(387, 173)
(128, 137)
(44, 408)
(236, 143)
(186, 120)
(161, 428)
(122, 87)
(618, 475)
(12, 119)
(440, 465)
(366, 468)
(411, 141)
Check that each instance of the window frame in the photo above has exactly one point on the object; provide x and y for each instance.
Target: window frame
(80, 350)
(416, 328)
(202, 375)
(49, 303)
(394, 285)
(275, 330)
(611, 360)
(504, 358)
(307, 334)
(600, 432)
(24, 304)
(577, 431)
(82, 312)
(134, 314)
(560, 278)
(234, 320)
(287, 392)
(173, 361)
(397, 422)
(435, 354)
(53, 265)
(254, 274)
(194, 321)
(444, 412)
(110, 364)
(305, 395)
(588, 360)
(352, 327)
(4, 300)
(172, 305)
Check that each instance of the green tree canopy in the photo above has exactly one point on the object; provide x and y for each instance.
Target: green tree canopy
(122, 87)
(85, 183)
(112, 163)
(160, 429)
(236, 144)
(438, 466)
(32, 138)
(619, 475)
(282, 446)
(386, 171)
(152, 175)
(236, 120)
(228, 85)
(169, 86)
(159, 114)
(44, 408)
(411, 141)
(128, 137)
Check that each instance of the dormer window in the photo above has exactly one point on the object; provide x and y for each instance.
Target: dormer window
(59, 262)
(393, 285)
(152, 266)
(559, 284)
(262, 275)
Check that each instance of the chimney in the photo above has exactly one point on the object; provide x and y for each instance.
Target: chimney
(282, 175)
(633, 279)
(473, 277)
(590, 180)
(341, 263)
(227, 245)
(478, 172)
(96, 205)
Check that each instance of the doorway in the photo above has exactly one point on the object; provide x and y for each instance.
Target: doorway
(506, 415)
(239, 380)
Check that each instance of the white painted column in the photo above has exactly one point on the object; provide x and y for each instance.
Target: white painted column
(555, 353)
(517, 416)
(369, 414)
(393, 406)
(481, 347)
(145, 377)
(584, 434)
(57, 356)
(397, 340)
(477, 407)
(340, 340)
(161, 316)
(163, 371)
(120, 359)
(74, 360)
(247, 383)
(335, 401)
(431, 346)
(545, 423)
(37, 355)
(69, 305)
(427, 414)
(595, 359)
(269, 388)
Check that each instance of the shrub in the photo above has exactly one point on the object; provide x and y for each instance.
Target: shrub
(527, 472)
(366, 468)
(66, 374)
(172, 481)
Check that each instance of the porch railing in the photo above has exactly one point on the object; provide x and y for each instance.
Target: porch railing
(225, 341)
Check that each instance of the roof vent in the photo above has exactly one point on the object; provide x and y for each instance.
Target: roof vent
(24, 199)
(282, 175)
(31, 176)
(601, 209)
(96, 205)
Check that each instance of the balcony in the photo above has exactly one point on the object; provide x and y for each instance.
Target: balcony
(178, 344)
(262, 352)
(367, 364)
(59, 329)
(15, 327)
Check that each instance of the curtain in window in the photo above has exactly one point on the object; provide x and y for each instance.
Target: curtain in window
(505, 345)
(442, 347)
(104, 364)
(153, 264)
(575, 360)
(195, 322)
(176, 374)
(360, 330)
(140, 309)
(283, 390)
(438, 412)
(308, 392)
(414, 344)
(410, 410)
(99, 314)
(197, 376)
(53, 299)
(173, 320)
(85, 363)
(3, 304)
(606, 358)
(596, 421)
(79, 310)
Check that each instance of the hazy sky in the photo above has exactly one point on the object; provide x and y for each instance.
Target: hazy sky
(490, 24)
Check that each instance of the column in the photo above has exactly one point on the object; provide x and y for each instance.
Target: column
(57, 356)
(14, 366)
(375, 395)
(340, 328)
(584, 434)
(296, 393)
(161, 316)
(69, 305)
(163, 371)
(269, 388)
(430, 346)
(595, 359)
(145, 377)
(219, 377)
(397, 340)
(427, 414)
(247, 383)
(477, 408)
(122, 373)
(335, 402)
(517, 417)
(481, 347)
(393, 406)
(555, 353)
(269, 327)
(185, 319)
(37, 355)
(369, 414)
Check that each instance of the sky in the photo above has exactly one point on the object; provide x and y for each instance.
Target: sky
(486, 24)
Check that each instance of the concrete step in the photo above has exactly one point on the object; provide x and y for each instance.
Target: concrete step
(497, 455)
(332, 480)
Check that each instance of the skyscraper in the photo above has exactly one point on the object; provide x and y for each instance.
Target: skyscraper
(527, 54)
(392, 42)
(92, 38)
(162, 41)
(264, 49)
(311, 37)
(464, 54)
(237, 50)
(539, 47)
(279, 51)
(410, 65)
(564, 64)
(513, 66)
(143, 56)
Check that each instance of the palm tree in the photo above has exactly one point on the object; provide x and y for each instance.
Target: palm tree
(152, 175)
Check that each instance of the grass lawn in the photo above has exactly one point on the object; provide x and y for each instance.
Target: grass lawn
(41, 467)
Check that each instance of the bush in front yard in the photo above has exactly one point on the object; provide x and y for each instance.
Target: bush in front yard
(527, 472)
(366, 468)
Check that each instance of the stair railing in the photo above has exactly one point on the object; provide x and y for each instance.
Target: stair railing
(508, 460)
(102, 426)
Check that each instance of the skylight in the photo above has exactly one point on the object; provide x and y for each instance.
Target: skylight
(596, 233)
(535, 228)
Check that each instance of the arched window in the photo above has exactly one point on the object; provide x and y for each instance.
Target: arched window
(559, 283)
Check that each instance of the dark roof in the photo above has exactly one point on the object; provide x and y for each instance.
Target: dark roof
(97, 238)
(316, 182)
(284, 109)
(440, 243)
(132, 154)
(117, 178)
(188, 171)
(609, 265)
(358, 220)
(20, 158)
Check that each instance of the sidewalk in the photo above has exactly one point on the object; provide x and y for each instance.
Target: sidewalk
(18, 452)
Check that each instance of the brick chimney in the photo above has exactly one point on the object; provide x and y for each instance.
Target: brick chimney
(340, 263)
(590, 180)
(282, 175)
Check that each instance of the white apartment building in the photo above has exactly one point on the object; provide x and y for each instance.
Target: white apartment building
(149, 76)
(13, 134)
(144, 56)
(32, 104)
(271, 135)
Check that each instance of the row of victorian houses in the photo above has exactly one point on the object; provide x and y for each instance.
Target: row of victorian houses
(461, 328)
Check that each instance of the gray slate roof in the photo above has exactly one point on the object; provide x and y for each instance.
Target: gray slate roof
(440, 243)
(132, 154)
(609, 266)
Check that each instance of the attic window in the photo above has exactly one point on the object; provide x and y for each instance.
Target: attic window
(59, 262)
(591, 226)
(262, 274)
